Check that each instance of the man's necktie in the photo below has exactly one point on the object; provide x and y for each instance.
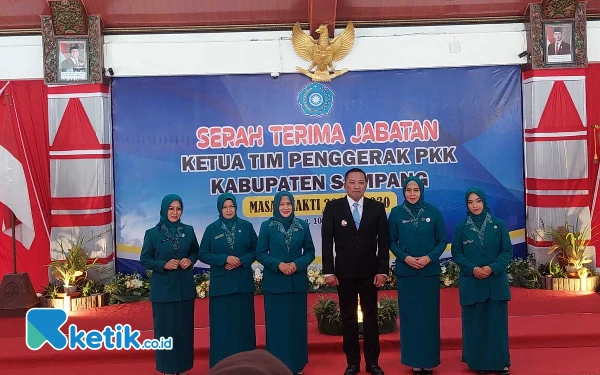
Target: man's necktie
(356, 215)
(556, 49)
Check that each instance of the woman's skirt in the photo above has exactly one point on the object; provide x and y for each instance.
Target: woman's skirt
(419, 308)
(286, 326)
(232, 328)
(485, 335)
(176, 320)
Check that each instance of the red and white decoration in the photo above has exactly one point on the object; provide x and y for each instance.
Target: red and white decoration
(81, 178)
(556, 167)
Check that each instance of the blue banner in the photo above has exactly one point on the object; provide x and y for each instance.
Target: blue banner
(254, 135)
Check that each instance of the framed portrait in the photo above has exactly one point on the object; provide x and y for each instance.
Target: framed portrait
(73, 60)
(559, 43)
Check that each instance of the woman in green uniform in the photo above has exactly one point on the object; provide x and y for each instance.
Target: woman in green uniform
(285, 249)
(228, 246)
(170, 250)
(418, 239)
(482, 248)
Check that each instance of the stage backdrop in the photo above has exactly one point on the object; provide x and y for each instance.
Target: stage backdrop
(255, 135)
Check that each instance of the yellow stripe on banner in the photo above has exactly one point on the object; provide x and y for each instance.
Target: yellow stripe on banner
(307, 204)
(137, 250)
(128, 249)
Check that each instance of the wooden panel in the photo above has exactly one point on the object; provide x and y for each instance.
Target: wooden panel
(25, 14)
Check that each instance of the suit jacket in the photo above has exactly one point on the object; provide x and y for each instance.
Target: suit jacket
(359, 253)
(214, 251)
(170, 285)
(69, 64)
(271, 250)
(563, 49)
(427, 238)
(468, 253)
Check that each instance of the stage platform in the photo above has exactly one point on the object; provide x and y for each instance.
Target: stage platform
(551, 333)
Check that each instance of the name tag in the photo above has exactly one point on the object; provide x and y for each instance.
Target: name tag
(467, 242)
(406, 221)
(220, 236)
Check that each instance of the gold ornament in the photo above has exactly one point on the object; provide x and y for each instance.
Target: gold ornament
(322, 52)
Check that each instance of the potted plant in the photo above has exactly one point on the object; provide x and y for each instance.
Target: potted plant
(570, 245)
(74, 266)
(329, 319)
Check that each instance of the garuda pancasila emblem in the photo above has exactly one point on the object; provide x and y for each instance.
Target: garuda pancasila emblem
(321, 52)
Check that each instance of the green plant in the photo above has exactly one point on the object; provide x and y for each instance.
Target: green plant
(114, 286)
(523, 272)
(89, 287)
(51, 290)
(387, 309)
(329, 318)
(570, 244)
(553, 269)
(75, 263)
(326, 309)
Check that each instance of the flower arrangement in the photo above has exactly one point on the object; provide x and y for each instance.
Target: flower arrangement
(449, 274)
(316, 280)
(258, 276)
(523, 272)
(128, 287)
(390, 279)
(202, 281)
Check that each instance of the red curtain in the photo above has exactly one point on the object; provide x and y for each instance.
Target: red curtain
(30, 115)
(592, 88)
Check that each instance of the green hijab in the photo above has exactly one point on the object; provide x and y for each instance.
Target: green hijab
(421, 202)
(164, 211)
(286, 221)
(220, 202)
(477, 219)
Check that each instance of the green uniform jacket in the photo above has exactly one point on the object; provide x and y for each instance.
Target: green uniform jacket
(428, 238)
(170, 285)
(271, 251)
(214, 251)
(468, 253)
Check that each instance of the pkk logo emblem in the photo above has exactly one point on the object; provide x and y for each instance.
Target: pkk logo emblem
(316, 99)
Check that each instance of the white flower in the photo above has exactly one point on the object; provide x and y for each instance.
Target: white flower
(320, 280)
(311, 273)
(443, 269)
(311, 279)
(202, 294)
(447, 281)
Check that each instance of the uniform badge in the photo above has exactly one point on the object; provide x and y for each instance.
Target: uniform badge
(428, 220)
(344, 223)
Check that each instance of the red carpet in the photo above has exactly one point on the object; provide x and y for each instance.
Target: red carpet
(551, 333)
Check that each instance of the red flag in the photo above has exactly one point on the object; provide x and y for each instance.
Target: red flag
(14, 193)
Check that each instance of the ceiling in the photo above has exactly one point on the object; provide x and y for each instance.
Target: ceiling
(22, 16)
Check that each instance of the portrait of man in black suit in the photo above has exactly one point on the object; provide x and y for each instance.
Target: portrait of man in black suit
(558, 46)
(74, 61)
(356, 228)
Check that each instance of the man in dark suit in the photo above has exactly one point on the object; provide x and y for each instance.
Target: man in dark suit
(558, 47)
(359, 228)
(74, 61)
